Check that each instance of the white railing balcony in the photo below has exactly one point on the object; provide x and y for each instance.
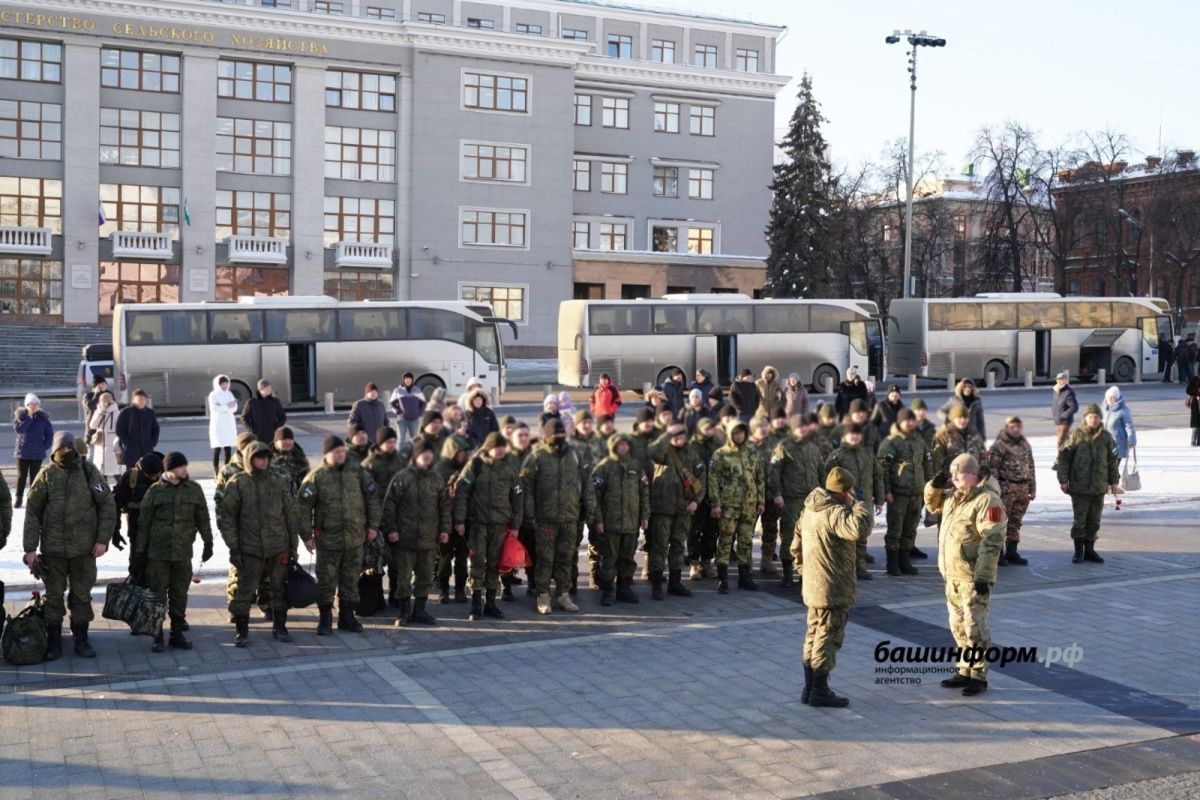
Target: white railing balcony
(362, 254)
(27, 241)
(256, 249)
(140, 244)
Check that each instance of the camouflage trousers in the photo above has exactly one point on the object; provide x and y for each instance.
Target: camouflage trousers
(595, 551)
(903, 514)
(668, 541)
(770, 530)
(736, 530)
(1015, 497)
(702, 539)
(1087, 508)
(555, 546)
(860, 547)
(968, 624)
(79, 573)
(791, 549)
(170, 580)
(413, 571)
(255, 570)
(452, 557)
(485, 540)
(824, 636)
(619, 551)
(262, 593)
(337, 574)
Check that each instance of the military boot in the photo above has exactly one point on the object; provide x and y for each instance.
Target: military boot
(543, 603)
(476, 606)
(974, 686)
(957, 682)
(241, 625)
(1090, 554)
(1010, 552)
(786, 581)
(158, 646)
(675, 584)
(625, 591)
(419, 614)
(808, 679)
(278, 627)
(460, 590)
(745, 579)
(177, 639)
(707, 568)
(83, 648)
(606, 593)
(444, 596)
(870, 559)
(402, 614)
(1078, 557)
(268, 613)
(916, 552)
(506, 594)
(490, 609)
(766, 565)
(1003, 560)
(566, 603)
(722, 579)
(346, 620)
(906, 567)
(53, 641)
(183, 625)
(656, 584)
(893, 563)
(860, 572)
(821, 696)
(325, 623)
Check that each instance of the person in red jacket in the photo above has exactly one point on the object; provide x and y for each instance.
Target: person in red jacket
(606, 400)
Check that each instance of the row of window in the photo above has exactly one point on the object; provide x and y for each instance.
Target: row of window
(679, 318)
(614, 179)
(697, 239)
(1026, 315)
(614, 113)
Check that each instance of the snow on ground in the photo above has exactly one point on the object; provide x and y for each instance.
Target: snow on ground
(1167, 464)
(527, 371)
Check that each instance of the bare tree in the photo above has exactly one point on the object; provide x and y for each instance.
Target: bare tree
(1172, 220)
(1005, 255)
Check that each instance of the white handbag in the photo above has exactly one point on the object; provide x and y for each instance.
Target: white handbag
(1131, 479)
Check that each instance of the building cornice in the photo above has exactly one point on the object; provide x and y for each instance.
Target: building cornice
(679, 77)
(670, 259)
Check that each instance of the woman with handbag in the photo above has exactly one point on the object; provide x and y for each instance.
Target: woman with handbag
(1193, 404)
(103, 425)
(1118, 421)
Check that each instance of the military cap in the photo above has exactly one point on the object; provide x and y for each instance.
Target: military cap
(957, 410)
(839, 480)
(1092, 408)
(918, 403)
(965, 463)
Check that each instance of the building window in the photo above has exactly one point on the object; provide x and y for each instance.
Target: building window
(136, 282)
(666, 181)
(702, 121)
(664, 239)
(495, 92)
(30, 130)
(254, 146)
(589, 291)
(745, 60)
(612, 235)
(1099, 288)
(614, 177)
(375, 12)
(254, 80)
(581, 235)
(137, 69)
(1073, 288)
(31, 203)
(139, 138)
(583, 109)
(620, 46)
(614, 112)
(581, 172)
(662, 51)
(428, 16)
(276, 3)
(358, 285)
(366, 91)
(635, 291)
(666, 117)
(360, 154)
(960, 228)
(328, 7)
(31, 286)
(681, 289)
(574, 33)
(247, 213)
(525, 27)
(494, 162)
(359, 219)
(700, 184)
(889, 232)
(507, 302)
(700, 241)
(476, 22)
(704, 55)
(234, 282)
(493, 228)
(130, 207)
(23, 60)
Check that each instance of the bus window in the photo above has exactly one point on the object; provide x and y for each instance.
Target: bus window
(781, 319)
(165, 327)
(299, 325)
(619, 320)
(999, 316)
(829, 319)
(435, 323)
(1125, 315)
(372, 324)
(1150, 331)
(1089, 315)
(724, 319)
(485, 343)
(1040, 315)
(674, 319)
(234, 327)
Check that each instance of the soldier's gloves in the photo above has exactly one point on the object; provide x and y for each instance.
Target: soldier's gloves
(118, 541)
(235, 561)
(207, 553)
(983, 588)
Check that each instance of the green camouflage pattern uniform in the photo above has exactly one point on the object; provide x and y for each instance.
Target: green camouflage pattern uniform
(172, 514)
(1011, 461)
(68, 511)
(904, 458)
(451, 555)
(590, 450)
(357, 454)
(736, 486)
(794, 472)
(870, 436)
(864, 465)
(702, 537)
(949, 443)
(292, 466)
(382, 467)
(416, 507)
(258, 520)
(927, 430)
(769, 520)
(552, 484)
(830, 531)
(489, 500)
(235, 467)
(825, 439)
(339, 504)
(618, 498)
(671, 493)
(969, 543)
(1088, 465)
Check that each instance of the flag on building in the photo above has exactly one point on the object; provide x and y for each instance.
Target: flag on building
(187, 217)
(100, 218)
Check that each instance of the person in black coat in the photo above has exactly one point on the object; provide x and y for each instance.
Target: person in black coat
(674, 390)
(137, 428)
(369, 413)
(131, 488)
(848, 391)
(1166, 357)
(1193, 402)
(703, 382)
(744, 396)
(481, 420)
(263, 414)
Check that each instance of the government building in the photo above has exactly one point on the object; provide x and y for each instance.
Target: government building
(518, 154)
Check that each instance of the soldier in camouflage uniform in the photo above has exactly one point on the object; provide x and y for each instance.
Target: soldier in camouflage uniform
(173, 511)
(737, 487)
(590, 449)
(969, 542)
(832, 524)
(904, 458)
(952, 440)
(1087, 470)
(763, 444)
(857, 415)
(382, 463)
(925, 429)
(702, 537)
(552, 483)
(288, 458)
(863, 464)
(827, 423)
(358, 445)
(1011, 461)
(520, 443)
(340, 503)
(795, 470)
(676, 489)
(236, 466)
(618, 501)
(453, 553)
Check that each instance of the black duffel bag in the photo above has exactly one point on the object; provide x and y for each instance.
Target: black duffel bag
(300, 588)
(370, 593)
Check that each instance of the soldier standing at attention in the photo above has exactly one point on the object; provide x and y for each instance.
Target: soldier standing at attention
(618, 500)
(235, 467)
(288, 458)
(1011, 461)
(863, 464)
(174, 510)
(489, 504)
(416, 517)
(969, 543)
(737, 489)
(675, 493)
(340, 503)
(590, 448)
(1087, 470)
(925, 429)
(904, 458)
(795, 470)
(553, 488)
(832, 525)
(452, 554)
(702, 538)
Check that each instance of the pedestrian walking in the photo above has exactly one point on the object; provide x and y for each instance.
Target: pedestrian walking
(849, 390)
(1011, 461)
(263, 414)
(137, 429)
(488, 506)
(102, 427)
(1118, 421)
(222, 427)
(618, 504)
(416, 519)
(744, 396)
(966, 394)
(606, 399)
(770, 393)
(369, 413)
(1087, 470)
(1063, 408)
(35, 435)
(408, 403)
(551, 481)
(795, 398)
(1193, 403)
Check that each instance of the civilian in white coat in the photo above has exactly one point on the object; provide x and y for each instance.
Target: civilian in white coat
(222, 421)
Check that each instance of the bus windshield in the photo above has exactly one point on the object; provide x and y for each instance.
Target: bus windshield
(487, 344)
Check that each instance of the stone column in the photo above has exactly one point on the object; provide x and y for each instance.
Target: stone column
(404, 181)
(308, 181)
(198, 167)
(81, 181)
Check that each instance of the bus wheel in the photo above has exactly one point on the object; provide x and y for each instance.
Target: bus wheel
(1124, 370)
(997, 367)
(820, 374)
(241, 393)
(428, 383)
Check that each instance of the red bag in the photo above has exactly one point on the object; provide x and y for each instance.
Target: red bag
(513, 555)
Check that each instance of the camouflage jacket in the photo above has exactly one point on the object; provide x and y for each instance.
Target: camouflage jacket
(795, 468)
(1011, 461)
(735, 480)
(949, 443)
(339, 504)
(257, 516)
(905, 459)
(671, 490)
(553, 485)
(1088, 462)
(171, 516)
(291, 466)
(489, 492)
(830, 532)
(971, 534)
(864, 465)
(69, 509)
(384, 466)
(618, 495)
(417, 506)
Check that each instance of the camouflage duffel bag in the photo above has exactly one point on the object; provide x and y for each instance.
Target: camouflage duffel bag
(25, 640)
(142, 609)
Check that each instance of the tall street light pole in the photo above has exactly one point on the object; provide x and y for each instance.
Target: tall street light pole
(915, 40)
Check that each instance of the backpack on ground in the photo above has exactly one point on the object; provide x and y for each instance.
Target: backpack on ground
(24, 641)
(370, 593)
(300, 588)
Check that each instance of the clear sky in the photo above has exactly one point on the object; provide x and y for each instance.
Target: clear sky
(1060, 66)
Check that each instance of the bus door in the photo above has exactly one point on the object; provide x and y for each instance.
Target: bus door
(274, 367)
(1041, 346)
(1155, 330)
(706, 357)
(726, 359)
(302, 372)
(1027, 360)
(875, 349)
(860, 348)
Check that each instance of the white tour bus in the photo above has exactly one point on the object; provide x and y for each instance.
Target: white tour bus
(640, 341)
(305, 346)
(1010, 334)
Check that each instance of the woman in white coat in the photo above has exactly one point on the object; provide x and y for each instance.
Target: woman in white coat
(222, 421)
(103, 424)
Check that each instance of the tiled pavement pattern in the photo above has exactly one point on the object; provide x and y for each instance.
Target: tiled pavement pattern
(685, 698)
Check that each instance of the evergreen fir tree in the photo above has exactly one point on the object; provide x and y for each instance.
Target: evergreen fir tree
(798, 233)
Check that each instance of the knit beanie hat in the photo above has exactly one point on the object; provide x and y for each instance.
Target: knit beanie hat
(384, 434)
(283, 432)
(174, 459)
(331, 443)
(839, 480)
